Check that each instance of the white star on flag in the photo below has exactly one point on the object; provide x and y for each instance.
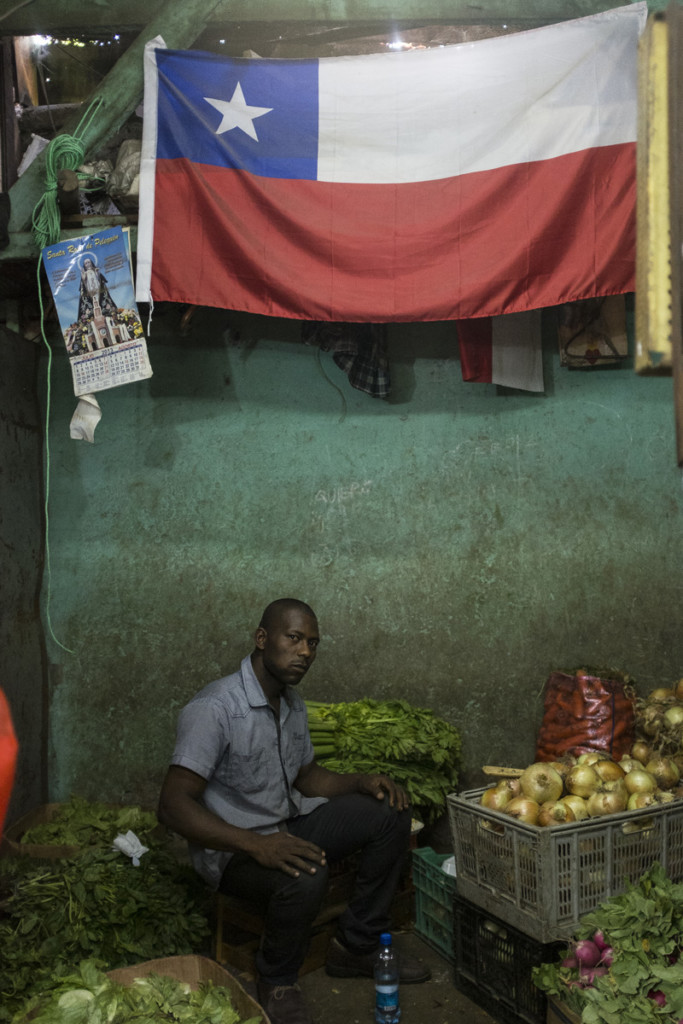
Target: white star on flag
(237, 113)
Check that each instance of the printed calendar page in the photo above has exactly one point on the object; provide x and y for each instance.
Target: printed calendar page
(92, 284)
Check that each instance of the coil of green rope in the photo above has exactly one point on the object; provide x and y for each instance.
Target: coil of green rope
(65, 152)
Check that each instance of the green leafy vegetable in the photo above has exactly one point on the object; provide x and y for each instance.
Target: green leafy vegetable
(87, 996)
(417, 748)
(80, 822)
(97, 905)
(644, 928)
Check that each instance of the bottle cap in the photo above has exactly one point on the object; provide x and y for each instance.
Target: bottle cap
(385, 939)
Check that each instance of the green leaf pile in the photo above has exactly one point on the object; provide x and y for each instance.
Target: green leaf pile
(644, 926)
(55, 913)
(80, 822)
(87, 996)
(417, 748)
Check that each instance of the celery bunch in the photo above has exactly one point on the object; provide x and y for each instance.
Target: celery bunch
(417, 748)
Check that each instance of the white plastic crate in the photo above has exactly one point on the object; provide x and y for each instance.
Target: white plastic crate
(542, 880)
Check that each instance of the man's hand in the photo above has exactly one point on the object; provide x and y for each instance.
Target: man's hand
(378, 785)
(314, 780)
(287, 853)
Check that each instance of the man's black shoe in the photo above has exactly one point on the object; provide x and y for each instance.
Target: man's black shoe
(284, 1004)
(343, 963)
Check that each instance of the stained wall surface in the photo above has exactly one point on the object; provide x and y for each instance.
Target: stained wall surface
(458, 541)
(22, 651)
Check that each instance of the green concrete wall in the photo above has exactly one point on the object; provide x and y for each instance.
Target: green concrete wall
(458, 541)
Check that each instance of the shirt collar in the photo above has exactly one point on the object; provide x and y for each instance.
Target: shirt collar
(253, 688)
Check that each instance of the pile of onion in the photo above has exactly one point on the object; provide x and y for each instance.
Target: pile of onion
(588, 786)
(659, 721)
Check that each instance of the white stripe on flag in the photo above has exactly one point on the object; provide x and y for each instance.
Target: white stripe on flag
(507, 100)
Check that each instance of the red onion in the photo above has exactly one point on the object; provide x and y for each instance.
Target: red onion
(587, 953)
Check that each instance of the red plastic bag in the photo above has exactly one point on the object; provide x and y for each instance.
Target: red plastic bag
(8, 757)
(583, 712)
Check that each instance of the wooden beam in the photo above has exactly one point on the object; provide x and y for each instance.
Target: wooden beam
(23, 247)
(45, 17)
(9, 131)
(654, 310)
(179, 22)
(45, 120)
(675, 19)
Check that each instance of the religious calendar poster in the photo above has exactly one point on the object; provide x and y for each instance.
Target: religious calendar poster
(92, 283)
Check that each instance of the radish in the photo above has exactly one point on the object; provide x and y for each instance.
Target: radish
(587, 953)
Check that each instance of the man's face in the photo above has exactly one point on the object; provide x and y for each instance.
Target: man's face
(289, 646)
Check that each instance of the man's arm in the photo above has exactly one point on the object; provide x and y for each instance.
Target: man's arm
(180, 809)
(314, 780)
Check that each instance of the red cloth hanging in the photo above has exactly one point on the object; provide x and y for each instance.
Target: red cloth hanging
(8, 757)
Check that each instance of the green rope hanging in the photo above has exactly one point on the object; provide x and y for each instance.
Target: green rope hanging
(65, 152)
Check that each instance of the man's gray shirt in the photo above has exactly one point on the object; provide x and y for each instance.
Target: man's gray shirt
(228, 734)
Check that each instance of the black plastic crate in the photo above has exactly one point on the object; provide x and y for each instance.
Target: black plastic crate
(493, 963)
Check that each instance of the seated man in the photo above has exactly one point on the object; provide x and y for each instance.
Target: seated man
(264, 820)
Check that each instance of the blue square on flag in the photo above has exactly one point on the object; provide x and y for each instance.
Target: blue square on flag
(259, 116)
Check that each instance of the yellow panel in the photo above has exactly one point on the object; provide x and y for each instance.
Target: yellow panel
(653, 249)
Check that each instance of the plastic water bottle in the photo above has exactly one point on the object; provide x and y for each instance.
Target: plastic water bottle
(387, 1007)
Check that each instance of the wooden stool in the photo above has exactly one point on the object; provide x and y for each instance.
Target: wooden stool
(238, 925)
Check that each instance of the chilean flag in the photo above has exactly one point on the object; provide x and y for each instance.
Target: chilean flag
(462, 181)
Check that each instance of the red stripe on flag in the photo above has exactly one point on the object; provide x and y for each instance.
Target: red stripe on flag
(494, 242)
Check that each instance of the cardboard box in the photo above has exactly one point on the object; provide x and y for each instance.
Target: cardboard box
(558, 1013)
(13, 846)
(44, 814)
(193, 970)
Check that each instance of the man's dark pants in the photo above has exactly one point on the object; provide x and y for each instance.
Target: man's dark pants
(345, 825)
